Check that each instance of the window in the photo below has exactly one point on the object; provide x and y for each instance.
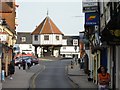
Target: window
(23, 39)
(46, 37)
(57, 37)
(30, 46)
(36, 37)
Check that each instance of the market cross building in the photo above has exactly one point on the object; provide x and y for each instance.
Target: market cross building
(47, 38)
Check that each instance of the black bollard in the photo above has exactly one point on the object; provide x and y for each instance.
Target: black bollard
(71, 64)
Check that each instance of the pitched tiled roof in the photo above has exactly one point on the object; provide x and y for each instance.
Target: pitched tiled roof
(47, 27)
(10, 19)
(4, 8)
(8, 14)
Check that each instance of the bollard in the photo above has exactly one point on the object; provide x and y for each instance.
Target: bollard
(72, 64)
(76, 61)
(3, 75)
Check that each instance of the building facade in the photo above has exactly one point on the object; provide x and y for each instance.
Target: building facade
(48, 38)
(7, 35)
(104, 40)
(110, 37)
(70, 47)
(24, 43)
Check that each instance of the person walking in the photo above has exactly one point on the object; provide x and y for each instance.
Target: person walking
(103, 79)
(24, 64)
(11, 69)
(82, 63)
(28, 61)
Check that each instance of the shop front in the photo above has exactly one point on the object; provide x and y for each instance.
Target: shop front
(6, 57)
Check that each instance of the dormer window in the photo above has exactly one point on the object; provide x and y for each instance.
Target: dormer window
(46, 37)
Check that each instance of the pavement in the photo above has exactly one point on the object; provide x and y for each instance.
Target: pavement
(21, 78)
(78, 77)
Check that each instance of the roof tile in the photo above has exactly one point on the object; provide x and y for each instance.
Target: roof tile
(47, 27)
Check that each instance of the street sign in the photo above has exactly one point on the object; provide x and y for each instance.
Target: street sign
(91, 19)
(75, 42)
(90, 5)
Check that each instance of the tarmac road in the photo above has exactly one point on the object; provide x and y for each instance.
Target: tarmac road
(53, 75)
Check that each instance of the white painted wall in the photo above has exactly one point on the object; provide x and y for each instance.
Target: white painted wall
(26, 47)
(52, 39)
(69, 50)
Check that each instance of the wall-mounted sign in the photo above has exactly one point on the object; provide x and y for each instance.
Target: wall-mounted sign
(75, 42)
(91, 19)
(90, 5)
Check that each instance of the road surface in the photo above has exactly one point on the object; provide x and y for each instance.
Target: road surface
(54, 75)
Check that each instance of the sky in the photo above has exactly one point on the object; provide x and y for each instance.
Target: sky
(66, 14)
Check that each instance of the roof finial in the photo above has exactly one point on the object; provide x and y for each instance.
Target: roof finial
(47, 12)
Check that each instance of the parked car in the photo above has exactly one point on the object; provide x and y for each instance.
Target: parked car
(34, 61)
(19, 60)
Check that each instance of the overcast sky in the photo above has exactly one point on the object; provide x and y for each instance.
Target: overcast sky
(66, 14)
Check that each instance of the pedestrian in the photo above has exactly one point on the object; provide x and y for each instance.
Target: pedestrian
(11, 69)
(76, 60)
(28, 61)
(72, 63)
(24, 64)
(81, 63)
(103, 79)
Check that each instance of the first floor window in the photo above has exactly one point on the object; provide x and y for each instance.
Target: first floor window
(46, 37)
(23, 39)
(36, 37)
(57, 37)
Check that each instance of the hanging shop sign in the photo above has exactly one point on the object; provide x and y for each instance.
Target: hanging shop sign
(91, 19)
(115, 40)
